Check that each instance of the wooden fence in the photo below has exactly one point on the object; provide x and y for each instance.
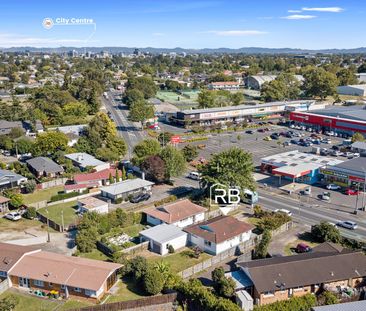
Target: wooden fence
(106, 250)
(143, 304)
(52, 183)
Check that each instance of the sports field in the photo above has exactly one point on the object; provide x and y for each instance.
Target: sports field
(184, 101)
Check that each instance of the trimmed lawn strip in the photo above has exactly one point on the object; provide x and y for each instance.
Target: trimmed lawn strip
(127, 290)
(42, 195)
(94, 254)
(179, 261)
(20, 225)
(133, 230)
(54, 212)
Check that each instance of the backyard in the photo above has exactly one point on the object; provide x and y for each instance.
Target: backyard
(33, 303)
(42, 195)
(55, 213)
(126, 290)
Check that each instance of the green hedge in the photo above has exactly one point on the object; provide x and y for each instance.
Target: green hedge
(64, 195)
(304, 303)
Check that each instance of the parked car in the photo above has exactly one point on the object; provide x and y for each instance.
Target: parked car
(14, 216)
(294, 141)
(249, 132)
(285, 211)
(274, 136)
(267, 138)
(194, 175)
(303, 248)
(347, 224)
(325, 196)
(140, 197)
(333, 187)
(307, 191)
(351, 192)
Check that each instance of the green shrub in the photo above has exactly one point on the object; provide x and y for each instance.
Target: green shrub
(166, 200)
(64, 195)
(304, 303)
(31, 212)
(153, 281)
(171, 249)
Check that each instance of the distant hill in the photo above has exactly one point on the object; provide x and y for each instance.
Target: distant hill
(244, 50)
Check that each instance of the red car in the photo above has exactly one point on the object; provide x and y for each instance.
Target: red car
(352, 192)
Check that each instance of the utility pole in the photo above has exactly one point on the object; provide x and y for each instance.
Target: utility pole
(62, 220)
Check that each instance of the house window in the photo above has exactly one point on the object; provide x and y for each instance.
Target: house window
(3, 274)
(63, 286)
(208, 243)
(90, 292)
(268, 293)
(298, 289)
(77, 289)
(38, 283)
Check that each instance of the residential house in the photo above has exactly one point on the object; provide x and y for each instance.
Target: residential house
(162, 236)
(92, 204)
(122, 190)
(181, 213)
(84, 160)
(100, 178)
(10, 255)
(44, 167)
(9, 179)
(25, 126)
(4, 204)
(30, 269)
(328, 266)
(219, 234)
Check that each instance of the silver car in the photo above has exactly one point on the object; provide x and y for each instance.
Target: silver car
(347, 224)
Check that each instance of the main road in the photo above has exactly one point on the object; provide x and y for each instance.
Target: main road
(118, 111)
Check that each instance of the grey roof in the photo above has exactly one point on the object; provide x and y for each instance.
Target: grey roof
(355, 113)
(163, 233)
(359, 145)
(348, 306)
(304, 269)
(273, 104)
(43, 164)
(356, 164)
(84, 159)
(9, 176)
(127, 186)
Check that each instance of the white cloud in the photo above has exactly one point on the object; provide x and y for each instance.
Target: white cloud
(299, 17)
(14, 40)
(235, 33)
(294, 11)
(326, 9)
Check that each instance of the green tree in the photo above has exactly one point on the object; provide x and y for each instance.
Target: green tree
(86, 238)
(357, 137)
(346, 76)
(140, 111)
(16, 199)
(144, 149)
(320, 83)
(206, 99)
(132, 96)
(111, 179)
(190, 152)
(31, 212)
(144, 84)
(285, 86)
(175, 163)
(153, 281)
(49, 142)
(16, 132)
(117, 175)
(23, 145)
(227, 287)
(326, 232)
(231, 168)
(30, 186)
(164, 138)
(328, 298)
(261, 249)
(137, 267)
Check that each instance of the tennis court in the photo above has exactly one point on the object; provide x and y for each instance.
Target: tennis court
(185, 100)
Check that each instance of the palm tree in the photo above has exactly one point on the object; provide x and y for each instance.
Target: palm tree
(163, 267)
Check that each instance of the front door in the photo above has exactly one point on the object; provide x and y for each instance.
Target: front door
(23, 282)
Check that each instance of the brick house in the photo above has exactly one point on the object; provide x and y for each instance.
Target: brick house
(34, 269)
(280, 278)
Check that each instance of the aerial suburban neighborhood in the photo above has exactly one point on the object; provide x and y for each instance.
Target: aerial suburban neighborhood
(182, 155)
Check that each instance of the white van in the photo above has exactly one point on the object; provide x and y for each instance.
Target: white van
(194, 175)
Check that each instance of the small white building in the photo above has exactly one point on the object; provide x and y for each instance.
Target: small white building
(181, 213)
(352, 90)
(92, 204)
(219, 234)
(123, 189)
(161, 236)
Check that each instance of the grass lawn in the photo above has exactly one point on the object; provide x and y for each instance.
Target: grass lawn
(54, 212)
(20, 225)
(42, 195)
(94, 254)
(127, 290)
(253, 220)
(179, 261)
(134, 230)
(33, 303)
(304, 238)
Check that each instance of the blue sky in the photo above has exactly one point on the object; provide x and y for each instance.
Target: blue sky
(312, 24)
